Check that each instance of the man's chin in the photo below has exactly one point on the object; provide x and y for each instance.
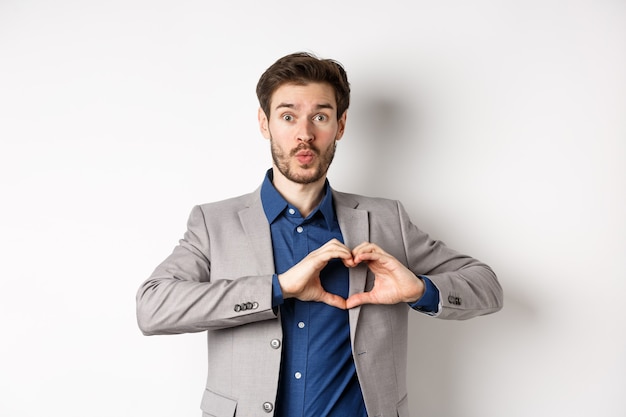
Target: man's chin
(305, 175)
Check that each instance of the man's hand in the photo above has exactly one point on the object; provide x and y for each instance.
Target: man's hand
(302, 281)
(393, 282)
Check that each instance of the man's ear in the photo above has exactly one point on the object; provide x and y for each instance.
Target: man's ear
(263, 124)
(341, 125)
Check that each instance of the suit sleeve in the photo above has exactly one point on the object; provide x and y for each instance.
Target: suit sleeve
(181, 296)
(467, 286)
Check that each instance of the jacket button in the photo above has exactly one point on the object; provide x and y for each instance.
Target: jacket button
(454, 300)
(275, 343)
(237, 308)
(268, 407)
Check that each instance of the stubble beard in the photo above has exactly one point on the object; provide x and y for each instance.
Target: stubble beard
(320, 168)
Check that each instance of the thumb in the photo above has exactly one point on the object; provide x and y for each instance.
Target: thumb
(333, 300)
(356, 300)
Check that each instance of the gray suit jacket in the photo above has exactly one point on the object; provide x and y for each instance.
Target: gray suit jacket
(219, 280)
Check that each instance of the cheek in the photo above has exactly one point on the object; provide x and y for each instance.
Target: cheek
(328, 133)
(278, 130)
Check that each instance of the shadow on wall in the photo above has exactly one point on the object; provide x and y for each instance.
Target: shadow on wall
(382, 124)
(386, 125)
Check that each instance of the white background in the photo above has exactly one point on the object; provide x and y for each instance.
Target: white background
(499, 124)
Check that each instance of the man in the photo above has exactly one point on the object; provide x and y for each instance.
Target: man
(304, 291)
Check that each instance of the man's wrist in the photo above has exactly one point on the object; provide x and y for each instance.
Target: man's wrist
(429, 301)
(420, 289)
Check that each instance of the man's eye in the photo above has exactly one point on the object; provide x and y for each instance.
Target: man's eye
(320, 118)
(287, 117)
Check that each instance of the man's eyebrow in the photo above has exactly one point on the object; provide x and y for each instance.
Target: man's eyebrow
(284, 106)
(292, 106)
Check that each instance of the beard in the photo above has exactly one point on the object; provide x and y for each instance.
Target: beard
(307, 173)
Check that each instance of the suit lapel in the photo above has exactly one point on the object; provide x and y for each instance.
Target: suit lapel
(257, 231)
(354, 224)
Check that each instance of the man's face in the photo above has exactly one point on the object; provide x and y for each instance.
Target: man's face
(302, 129)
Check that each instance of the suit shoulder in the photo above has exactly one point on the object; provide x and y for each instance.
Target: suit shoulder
(230, 205)
(365, 202)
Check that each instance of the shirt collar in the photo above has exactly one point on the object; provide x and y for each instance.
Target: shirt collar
(274, 204)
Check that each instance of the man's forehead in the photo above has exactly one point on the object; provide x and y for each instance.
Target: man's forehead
(292, 95)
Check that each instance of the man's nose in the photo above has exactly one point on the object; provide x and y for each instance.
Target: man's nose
(305, 131)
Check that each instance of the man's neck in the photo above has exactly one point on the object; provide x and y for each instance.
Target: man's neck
(304, 197)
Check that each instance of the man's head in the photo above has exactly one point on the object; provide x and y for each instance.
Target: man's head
(302, 68)
(303, 114)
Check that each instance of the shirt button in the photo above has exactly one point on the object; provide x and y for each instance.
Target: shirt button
(299, 229)
(298, 375)
(291, 211)
(275, 343)
(301, 325)
(268, 407)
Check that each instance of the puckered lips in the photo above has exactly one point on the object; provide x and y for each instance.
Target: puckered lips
(305, 156)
